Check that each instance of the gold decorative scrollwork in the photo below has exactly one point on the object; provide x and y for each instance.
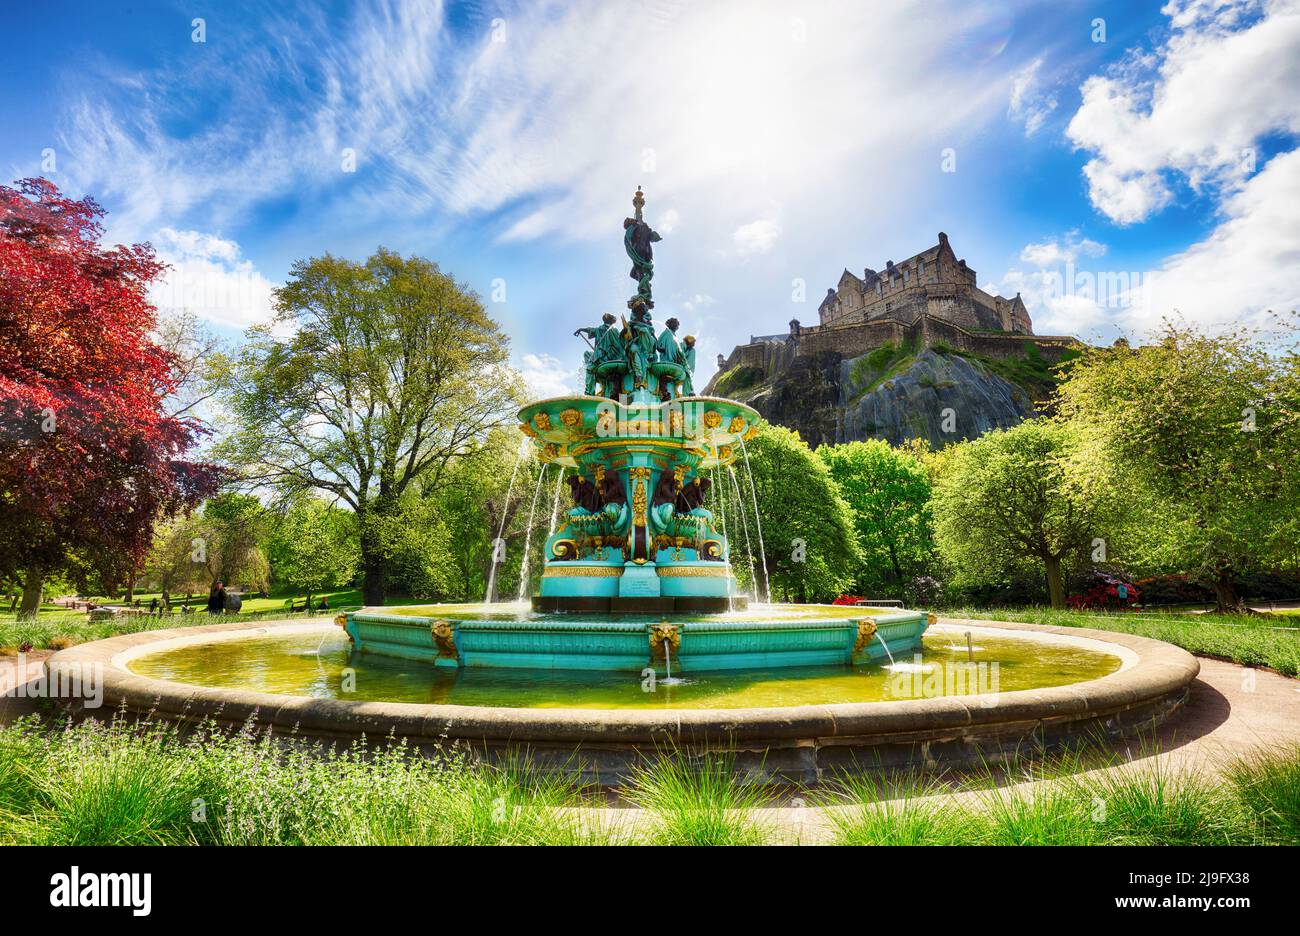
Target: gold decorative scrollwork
(528, 430)
(550, 451)
(444, 638)
(661, 634)
(565, 550)
(542, 421)
(866, 631)
(711, 549)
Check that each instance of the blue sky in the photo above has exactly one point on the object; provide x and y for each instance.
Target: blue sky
(1149, 151)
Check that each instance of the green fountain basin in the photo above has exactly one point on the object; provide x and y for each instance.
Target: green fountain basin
(319, 662)
(514, 637)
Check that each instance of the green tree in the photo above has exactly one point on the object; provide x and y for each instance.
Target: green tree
(889, 494)
(1203, 434)
(314, 548)
(1010, 496)
(371, 381)
(807, 527)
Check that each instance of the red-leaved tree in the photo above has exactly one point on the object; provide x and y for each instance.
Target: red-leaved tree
(89, 459)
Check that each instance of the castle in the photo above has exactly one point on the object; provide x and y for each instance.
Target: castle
(928, 299)
(934, 282)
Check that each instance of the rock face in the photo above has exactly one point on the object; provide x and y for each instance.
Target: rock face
(940, 398)
(889, 393)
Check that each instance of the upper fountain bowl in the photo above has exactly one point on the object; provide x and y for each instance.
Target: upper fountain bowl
(704, 432)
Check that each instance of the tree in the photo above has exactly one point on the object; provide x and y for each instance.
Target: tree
(314, 548)
(1010, 496)
(371, 380)
(889, 494)
(808, 534)
(90, 458)
(1203, 435)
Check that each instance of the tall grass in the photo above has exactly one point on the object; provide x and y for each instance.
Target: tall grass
(116, 784)
(698, 801)
(1256, 802)
(119, 784)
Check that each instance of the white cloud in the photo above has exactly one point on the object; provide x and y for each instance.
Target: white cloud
(1057, 251)
(1029, 103)
(756, 237)
(1195, 108)
(207, 277)
(1249, 265)
(546, 376)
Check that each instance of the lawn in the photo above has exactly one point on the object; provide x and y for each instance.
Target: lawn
(55, 628)
(1250, 640)
(96, 784)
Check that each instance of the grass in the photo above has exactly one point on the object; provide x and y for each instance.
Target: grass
(1250, 640)
(120, 784)
(698, 802)
(1256, 803)
(56, 628)
(117, 785)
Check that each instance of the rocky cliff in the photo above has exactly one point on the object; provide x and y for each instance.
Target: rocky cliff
(892, 392)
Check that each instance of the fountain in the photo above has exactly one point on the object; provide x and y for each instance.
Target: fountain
(638, 570)
(637, 582)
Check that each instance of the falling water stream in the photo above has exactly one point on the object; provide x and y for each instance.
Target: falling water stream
(762, 551)
(505, 512)
(749, 545)
(528, 536)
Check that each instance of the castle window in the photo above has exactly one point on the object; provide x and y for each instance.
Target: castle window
(905, 276)
(920, 268)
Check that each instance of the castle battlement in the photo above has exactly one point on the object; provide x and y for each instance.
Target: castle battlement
(934, 282)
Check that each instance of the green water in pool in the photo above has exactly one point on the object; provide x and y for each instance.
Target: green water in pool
(321, 664)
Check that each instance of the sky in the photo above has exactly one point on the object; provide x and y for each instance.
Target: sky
(1115, 163)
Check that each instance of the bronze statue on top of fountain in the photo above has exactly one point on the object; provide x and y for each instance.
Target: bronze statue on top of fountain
(637, 240)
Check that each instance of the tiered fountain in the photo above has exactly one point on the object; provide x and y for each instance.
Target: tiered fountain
(639, 572)
(637, 583)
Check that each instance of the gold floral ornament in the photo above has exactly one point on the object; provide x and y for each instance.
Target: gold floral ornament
(662, 634)
(543, 421)
(866, 631)
(550, 451)
(571, 418)
(444, 639)
(725, 454)
(712, 419)
(737, 424)
(751, 434)
(528, 430)
(675, 422)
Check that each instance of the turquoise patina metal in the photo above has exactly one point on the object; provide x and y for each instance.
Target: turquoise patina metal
(640, 551)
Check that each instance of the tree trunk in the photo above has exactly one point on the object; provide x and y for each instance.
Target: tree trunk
(130, 590)
(1226, 599)
(32, 593)
(1055, 584)
(375, 575)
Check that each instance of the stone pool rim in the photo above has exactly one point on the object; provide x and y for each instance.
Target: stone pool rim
(1145, 691)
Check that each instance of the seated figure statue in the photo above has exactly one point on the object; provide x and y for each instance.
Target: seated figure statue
(607, 348)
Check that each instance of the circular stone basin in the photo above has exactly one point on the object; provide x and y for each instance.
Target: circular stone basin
(800, 726)
(320, 663)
